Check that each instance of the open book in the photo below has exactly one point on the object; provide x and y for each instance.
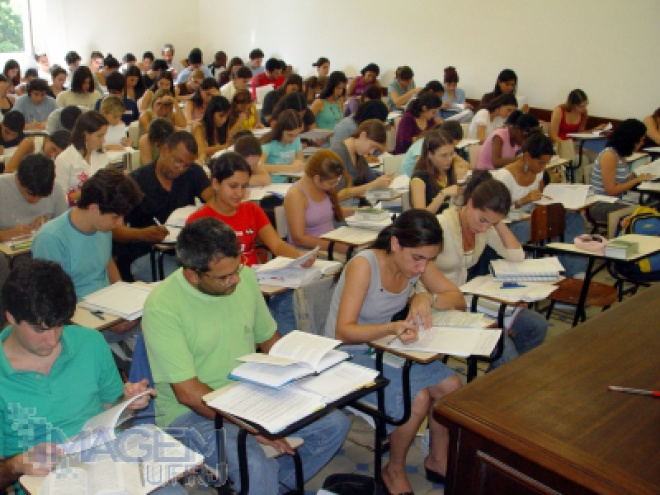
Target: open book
(121, 299)
(20, 242)
(572, 196)
(317, 134)
(101, 428)
(452, 340)
(652, 168)
(295, 355)
(275, 409)
(145, 459)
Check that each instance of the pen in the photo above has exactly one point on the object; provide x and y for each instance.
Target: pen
(98, 314)
(545, 196)
(157, 222)
(638, 391)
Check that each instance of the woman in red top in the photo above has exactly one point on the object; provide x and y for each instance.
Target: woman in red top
(570, 117)
(230, 179)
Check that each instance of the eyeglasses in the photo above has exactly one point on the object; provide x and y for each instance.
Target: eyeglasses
(179, 163)
(225, 280)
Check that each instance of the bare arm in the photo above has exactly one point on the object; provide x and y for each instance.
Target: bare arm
(188, 110)
(275, 244)
(260, 175)
(152, 235)
(26, 147)
(113, 272)
(449, 296)
(38, 461)
(496, 156)
(608, 164)
(481, 133)
(400, 100)
(146, 151)
(145, 103)
(190, 393)
(358, 275)
(418, 197)
(555, 122)
(316, 107)
(177, 116)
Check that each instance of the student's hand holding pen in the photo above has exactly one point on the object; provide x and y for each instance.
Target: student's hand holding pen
(407, 331)
(154, 234)
(38, 222)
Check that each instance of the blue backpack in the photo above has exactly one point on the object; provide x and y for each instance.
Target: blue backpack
(644, 221)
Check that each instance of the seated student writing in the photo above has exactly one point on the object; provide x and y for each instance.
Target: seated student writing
(502, 145)
(29, 198)
(228, 74)
(6, 99)
(293, 84)
(184, 91)
(82, 91)
(454, 96)
(312, 87)
(211, 131)
(433, 182)
(368, 77)
(230, 175)
(402, 88)
(312, 206)
(163, 81)
(63, 119)
(282, 149)
(35, 105)
(506, 84)
(196, 105)
(491, 116)
(524, 180)
(459, 165)
(149, 143)
(249, 147)
(11, 130)
(571, 117)
(112, 108)
(243, 113)
(39, 300)
(372, 109)
(419, 117)
(611, 174)
(116, 84)
(240, 80)
(468, 229)
(329, 106)
(377, 284)
(163, 105)
(49, 146)
(58, 78)
(367, 138)
(294, 101)
(84, 156)
(81, 241)
(134, 89)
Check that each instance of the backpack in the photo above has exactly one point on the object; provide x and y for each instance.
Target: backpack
(644, 221)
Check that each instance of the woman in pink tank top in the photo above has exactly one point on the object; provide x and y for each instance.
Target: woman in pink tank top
(502, 145)
(311, 205)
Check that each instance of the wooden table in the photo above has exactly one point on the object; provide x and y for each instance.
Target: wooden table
(545, 422)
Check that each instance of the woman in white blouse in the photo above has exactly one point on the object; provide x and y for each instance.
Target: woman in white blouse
(84, 156)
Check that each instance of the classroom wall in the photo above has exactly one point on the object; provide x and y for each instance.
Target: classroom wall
(116, 26)
(606, 47)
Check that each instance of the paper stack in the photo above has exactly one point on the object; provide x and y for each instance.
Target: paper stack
(119, 299)
(529, 270)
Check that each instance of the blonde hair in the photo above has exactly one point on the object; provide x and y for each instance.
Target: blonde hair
(112, 105)
(159, 94)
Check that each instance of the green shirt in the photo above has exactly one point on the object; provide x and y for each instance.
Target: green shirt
(191, 334)
(37, 408)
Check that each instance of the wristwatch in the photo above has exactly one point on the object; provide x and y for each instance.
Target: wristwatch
(435, 299)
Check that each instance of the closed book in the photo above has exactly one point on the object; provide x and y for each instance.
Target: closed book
(621, 249)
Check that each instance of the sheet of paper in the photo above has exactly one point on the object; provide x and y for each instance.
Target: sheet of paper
(303, 346)
(352, 235)
(454, 318)
(120, 299)
(453, 340)
(339, 380)
(652, 168)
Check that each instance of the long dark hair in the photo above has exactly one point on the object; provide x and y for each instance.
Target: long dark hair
(505, 75)
(426, 100)
(88, 122)
(334, 79)
(207, 83)
(413, 228)
(227, 165)
(487, 193)
(214, 134)
(288, 120)
(327, 165)
(139, 88)
(624, 138)
(375, 131)
(434, 140)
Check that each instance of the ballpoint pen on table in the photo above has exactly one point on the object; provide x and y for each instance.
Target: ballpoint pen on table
(637, 391)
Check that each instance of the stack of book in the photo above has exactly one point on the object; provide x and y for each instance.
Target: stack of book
(288, 272)
(370, 218)
(529, 270)
(119, 299)
(621, 249)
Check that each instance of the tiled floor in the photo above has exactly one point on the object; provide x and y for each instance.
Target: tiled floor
(356, 456)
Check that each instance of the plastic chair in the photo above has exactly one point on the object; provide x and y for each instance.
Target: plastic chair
(548, 222)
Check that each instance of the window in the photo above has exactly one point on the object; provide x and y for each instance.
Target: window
(14, 28)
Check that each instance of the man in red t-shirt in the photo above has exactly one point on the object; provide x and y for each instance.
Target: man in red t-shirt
(272, 75)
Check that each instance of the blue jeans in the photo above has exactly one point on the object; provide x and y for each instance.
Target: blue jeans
(527, 332)
(322, 440)
(141, 267)
(574, 227)
(281, 309)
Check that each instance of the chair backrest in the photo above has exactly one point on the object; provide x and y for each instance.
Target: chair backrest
(566, 149)
(473, 153)
(548, 222)
(392, 163)
(262, 91)
(281, 225)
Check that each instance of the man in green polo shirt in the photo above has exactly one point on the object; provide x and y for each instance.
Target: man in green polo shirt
(53, 377)
(196, 323)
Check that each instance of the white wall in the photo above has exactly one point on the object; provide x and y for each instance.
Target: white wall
(114, 26)
(606, 47)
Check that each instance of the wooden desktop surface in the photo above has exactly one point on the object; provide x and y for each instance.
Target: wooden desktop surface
(546, 423)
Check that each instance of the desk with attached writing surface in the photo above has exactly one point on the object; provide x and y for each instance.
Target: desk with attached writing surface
(545, 423)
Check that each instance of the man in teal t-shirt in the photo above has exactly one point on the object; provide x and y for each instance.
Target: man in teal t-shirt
(53, 378)
(196, 323)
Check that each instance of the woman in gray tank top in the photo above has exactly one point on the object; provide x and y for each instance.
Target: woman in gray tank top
(377, 284)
